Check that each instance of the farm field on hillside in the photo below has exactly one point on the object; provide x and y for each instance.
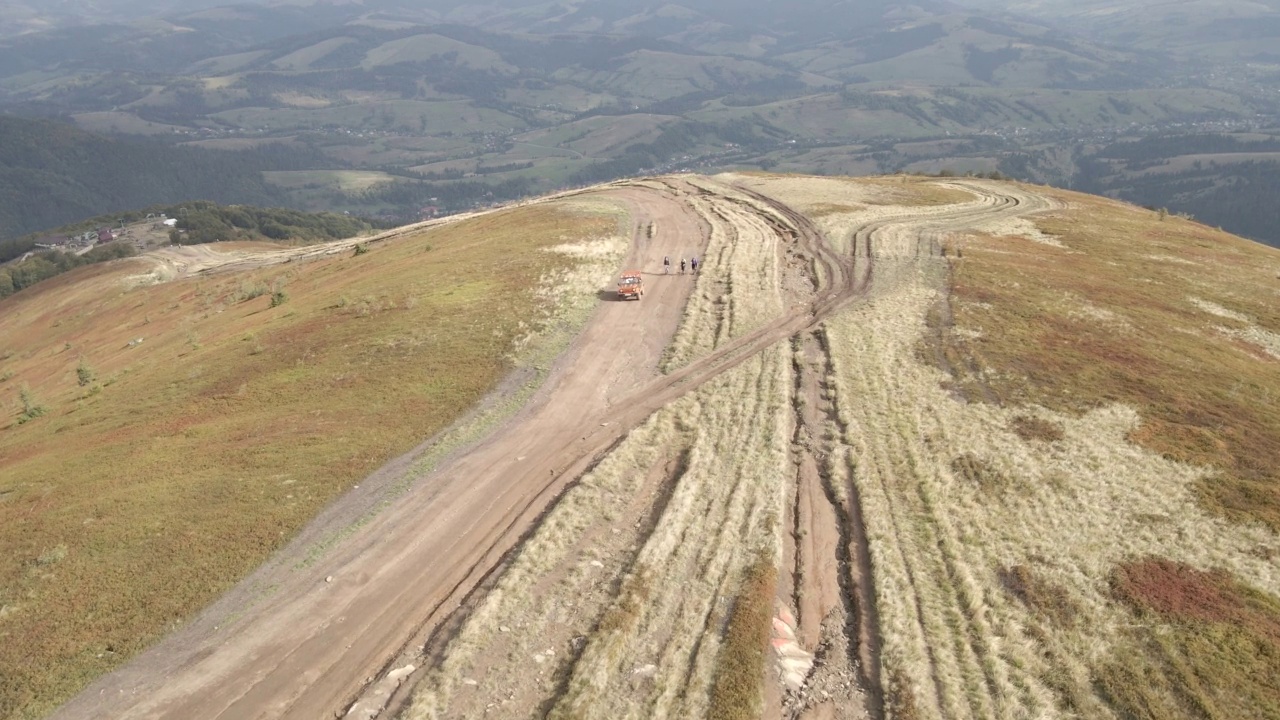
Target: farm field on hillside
(342, 180)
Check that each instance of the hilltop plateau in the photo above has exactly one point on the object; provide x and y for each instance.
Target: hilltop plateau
(903, 447)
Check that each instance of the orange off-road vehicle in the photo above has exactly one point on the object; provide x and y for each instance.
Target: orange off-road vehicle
(630, 285)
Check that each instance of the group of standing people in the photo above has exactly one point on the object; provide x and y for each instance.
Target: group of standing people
(666, 264)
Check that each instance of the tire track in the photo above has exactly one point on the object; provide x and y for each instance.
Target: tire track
(842, 281)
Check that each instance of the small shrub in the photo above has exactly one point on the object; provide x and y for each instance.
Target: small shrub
(52, 556)
(278, 298)
(361, 249)
(30, 408)
(1034, 428)
(6, 376)
(249, 291)
(84, 373)
(255, 346)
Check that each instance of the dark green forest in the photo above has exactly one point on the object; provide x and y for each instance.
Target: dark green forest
(52, 174)
(204, 222)
(1237, 193)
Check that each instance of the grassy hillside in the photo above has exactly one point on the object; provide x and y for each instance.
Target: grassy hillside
(158, 441)
(1116, 306)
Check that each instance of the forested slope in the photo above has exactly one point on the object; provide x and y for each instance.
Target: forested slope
(52, 174)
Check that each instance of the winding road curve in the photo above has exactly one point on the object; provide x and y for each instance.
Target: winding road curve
(305, 640)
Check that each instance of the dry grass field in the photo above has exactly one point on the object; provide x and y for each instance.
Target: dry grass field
(1169, 328)
(174, 435)
(1062, 435)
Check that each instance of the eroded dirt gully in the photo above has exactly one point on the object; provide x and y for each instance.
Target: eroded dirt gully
(316, 640)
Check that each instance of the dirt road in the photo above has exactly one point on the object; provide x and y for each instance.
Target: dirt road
(311, 639)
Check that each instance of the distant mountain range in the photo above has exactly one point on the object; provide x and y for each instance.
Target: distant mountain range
(400, 102)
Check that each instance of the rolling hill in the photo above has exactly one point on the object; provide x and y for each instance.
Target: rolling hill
(453, 101)
(903, 447)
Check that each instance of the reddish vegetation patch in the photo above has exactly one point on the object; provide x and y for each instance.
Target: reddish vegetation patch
(740, 668)
(899, 699)
(1255, 351)
(1182, 593)
(1214, 650)
(1039, 594)
(980, 472)
(1177, 591)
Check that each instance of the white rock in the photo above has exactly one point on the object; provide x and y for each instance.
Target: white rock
(401, 673)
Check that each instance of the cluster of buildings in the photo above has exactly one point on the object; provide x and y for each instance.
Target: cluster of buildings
(76, 242)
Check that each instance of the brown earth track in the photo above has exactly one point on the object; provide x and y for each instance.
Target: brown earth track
(307, 650)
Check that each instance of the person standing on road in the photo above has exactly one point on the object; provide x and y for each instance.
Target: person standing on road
(666, 264)
(681, 266)
(693, 264)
